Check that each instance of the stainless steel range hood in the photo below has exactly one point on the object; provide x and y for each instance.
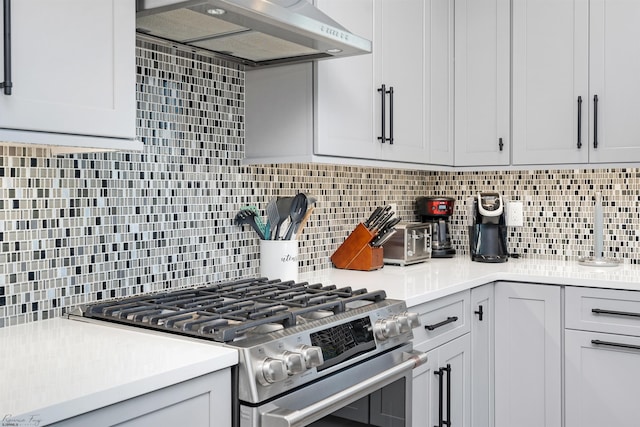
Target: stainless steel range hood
(257, 33)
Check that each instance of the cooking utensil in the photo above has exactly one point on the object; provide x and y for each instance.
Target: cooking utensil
(257, 217)
(284, 208)
(246, 216)
(273, 217)
(304, 221)
(296, 213)
(311, 199)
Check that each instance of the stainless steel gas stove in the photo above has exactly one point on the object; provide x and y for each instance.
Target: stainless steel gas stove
(319, 341)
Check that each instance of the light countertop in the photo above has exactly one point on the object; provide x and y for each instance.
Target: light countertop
(444, 276)
(55, 369)
(58, 368)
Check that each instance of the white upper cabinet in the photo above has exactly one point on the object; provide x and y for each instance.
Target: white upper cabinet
(412, 61)
(345, 89)
(565, 54)
(550, 73)
(482, 82)
(614, 54)
(342, 112)
(72, 68)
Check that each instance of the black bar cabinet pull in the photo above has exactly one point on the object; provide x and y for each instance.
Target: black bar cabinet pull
(480, 313)
(615, 313)
(7, 84)
(440, 373)
(448, 371)
(616, 344)
(383, 91)
(390, 92)
(500, 144)
(579, 122)
(595, 121)
(444, 322)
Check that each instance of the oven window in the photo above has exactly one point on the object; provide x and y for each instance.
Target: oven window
(344, 341)
(384, 407)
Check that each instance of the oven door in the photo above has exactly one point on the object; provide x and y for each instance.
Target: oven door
(326, 403)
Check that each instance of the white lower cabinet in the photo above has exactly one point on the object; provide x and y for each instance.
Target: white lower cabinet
(201, 402)
(528, 355)
(602, 374)
(602, 357)
(482, 350)
(441, 387)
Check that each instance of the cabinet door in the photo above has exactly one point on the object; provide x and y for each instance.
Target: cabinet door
(73, 67)
(429, 401)
(204, 401)
(345, 90)
(614, 71)
(482, 345)
(439, 82)
(550, 71)
(482, 73)
(456, 355)
(401, 65)
(424, 399)
(527, 355)
(601, 380)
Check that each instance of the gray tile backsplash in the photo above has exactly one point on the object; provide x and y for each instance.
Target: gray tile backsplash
(86, 227)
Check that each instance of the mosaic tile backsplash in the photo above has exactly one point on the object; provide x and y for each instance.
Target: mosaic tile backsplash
(86, 227)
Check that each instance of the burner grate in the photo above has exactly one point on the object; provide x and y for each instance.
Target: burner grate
(225, 312)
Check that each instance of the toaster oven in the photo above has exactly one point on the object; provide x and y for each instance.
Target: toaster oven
(410, 244)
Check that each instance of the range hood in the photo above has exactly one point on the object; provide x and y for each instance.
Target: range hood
(257, 33)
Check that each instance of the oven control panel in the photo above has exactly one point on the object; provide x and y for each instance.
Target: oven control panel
(296, 357)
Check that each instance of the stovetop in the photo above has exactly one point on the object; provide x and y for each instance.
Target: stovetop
(287, 334)
(232, 311)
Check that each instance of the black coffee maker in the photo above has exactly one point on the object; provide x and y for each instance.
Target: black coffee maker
(437, 211)
(487, 228)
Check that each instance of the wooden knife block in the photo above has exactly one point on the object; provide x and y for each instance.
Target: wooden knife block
(355, 253)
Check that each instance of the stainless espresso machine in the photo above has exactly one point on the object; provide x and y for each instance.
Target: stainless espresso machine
(487, 228)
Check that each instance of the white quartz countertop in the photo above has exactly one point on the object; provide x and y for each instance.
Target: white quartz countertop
(444, 276)
(54, 369)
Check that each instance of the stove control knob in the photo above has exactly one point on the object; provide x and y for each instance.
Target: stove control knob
(312, 355)
(294, 361)
(271, 371)
(386, 328)
(407, 321)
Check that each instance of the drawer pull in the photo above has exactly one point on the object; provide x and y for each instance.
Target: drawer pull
(615, 344)
(444, 322)
(480, 313)
(615, 313)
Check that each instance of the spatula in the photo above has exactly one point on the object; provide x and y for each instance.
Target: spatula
(273, 217)
(284, 208)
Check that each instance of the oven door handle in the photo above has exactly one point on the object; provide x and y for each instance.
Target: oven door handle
(283, 417)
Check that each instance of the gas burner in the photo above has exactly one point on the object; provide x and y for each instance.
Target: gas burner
(316, 315)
